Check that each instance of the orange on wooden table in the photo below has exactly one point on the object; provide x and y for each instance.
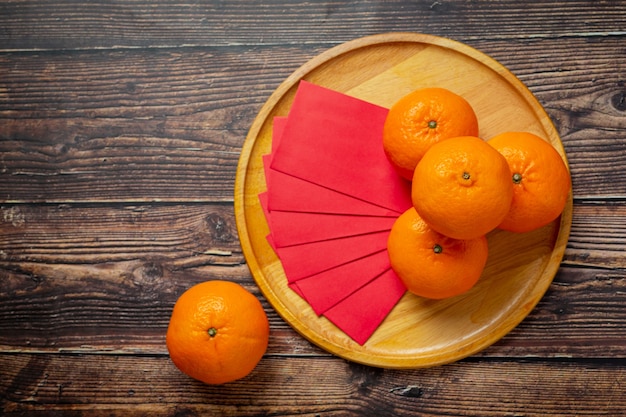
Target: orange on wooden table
(540, 177)
(422, 118)
(430, 264)
(462, 187)
(218, 332)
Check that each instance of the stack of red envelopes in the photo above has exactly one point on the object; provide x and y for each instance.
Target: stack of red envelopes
(331, 200)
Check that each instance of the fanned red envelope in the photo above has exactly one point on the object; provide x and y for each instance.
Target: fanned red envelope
(362, 312)
(289, 193)
(296, 228)
(335, 141)
(362, 271)
(331, 200)
(302, 261)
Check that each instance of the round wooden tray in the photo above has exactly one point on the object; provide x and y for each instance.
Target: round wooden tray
(418, 332)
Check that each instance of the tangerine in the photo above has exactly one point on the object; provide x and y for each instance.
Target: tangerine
(540, 178)
(420, 119)
(462, 187)
(433, 265)
(218, 332)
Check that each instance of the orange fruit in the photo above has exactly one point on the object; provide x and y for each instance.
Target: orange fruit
(540, 178)
(420, 119)
(430, 264)
(462, 187)
(218, 332)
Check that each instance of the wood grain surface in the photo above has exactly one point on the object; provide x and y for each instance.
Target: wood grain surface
(121, 125)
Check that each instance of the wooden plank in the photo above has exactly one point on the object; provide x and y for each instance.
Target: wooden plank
(89, 278)
(94, 234)
(581, 315)
(132, 386)
(597, 237)
(166, 125)
(65, 24)
(187, 236)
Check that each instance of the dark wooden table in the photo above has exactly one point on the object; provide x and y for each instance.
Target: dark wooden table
(121, 124)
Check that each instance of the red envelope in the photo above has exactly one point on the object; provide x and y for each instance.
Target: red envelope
(308, 259)
(295, 228)
(324, 290)
(334, 140)
(288, 193)
(361, 313)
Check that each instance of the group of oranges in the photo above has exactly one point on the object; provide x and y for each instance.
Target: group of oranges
(462, 188)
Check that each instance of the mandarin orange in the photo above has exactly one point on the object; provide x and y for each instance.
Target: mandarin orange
(430, 264)
(422, 118)
(462, 187)
(540, 178)
(218, 332)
